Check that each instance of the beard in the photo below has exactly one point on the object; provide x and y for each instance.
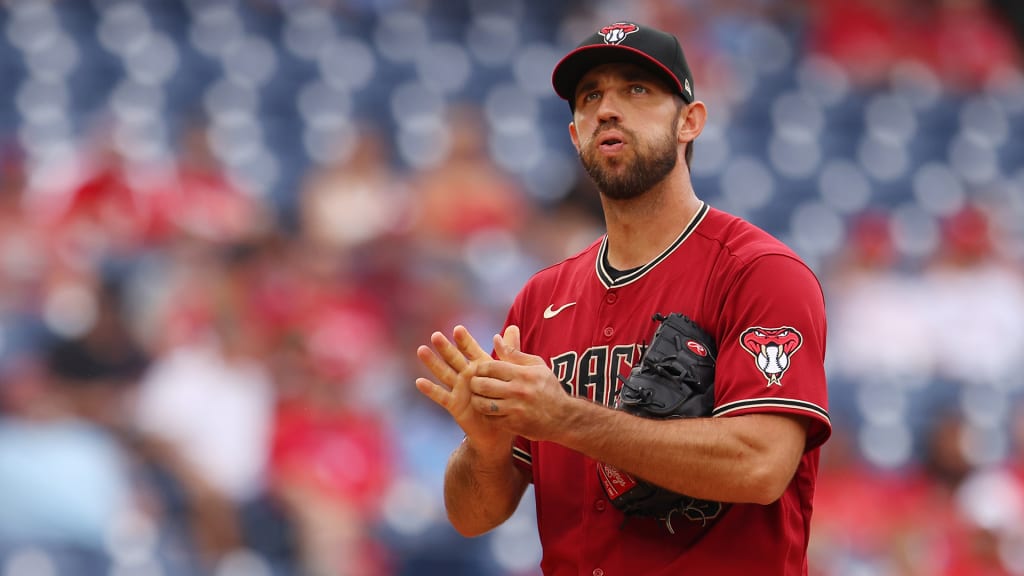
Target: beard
(629, 176)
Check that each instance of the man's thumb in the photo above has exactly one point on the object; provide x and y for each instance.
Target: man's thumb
(507, 346)
(511, 337)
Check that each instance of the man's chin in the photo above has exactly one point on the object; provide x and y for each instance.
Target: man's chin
(614, 168)
(619, 188)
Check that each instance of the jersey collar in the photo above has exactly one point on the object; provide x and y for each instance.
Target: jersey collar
(608, 280)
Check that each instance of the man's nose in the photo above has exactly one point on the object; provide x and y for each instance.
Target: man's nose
(608, 108)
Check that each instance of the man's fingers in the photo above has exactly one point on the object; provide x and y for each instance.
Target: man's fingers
(441, 368)
(488, 387)
(468, 345)
(488, 406)
(502, 348)
(446, 359)
(449, 352)
(507, 349)
(435, 392)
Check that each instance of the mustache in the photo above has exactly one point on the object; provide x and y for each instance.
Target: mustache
(611, 125)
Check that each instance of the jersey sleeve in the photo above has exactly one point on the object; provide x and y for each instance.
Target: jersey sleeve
(522, 455)
(772, 345)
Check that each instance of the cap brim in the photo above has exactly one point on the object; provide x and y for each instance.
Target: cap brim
(571, 69)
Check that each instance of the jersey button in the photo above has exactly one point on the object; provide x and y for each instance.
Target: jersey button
(600, 505)
(611, 297)
(609, 332)
(598, 572)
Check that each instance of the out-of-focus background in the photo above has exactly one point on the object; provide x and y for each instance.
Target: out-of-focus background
(225, 226)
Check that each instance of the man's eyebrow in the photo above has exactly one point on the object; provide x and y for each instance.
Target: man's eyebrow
(586, 86)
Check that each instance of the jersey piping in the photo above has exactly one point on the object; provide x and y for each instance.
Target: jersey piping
(522, 455)
(610, 281)
(773, 403)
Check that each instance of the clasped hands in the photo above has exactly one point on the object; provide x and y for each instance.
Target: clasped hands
(493, 400)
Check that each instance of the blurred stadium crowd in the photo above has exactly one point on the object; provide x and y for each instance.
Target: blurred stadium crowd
(225, 226)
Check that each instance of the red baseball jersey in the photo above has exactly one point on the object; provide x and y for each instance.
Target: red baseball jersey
(764, 308)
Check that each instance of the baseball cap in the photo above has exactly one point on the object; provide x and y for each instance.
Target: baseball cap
(653, 49)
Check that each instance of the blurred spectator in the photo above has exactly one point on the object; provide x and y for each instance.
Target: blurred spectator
(332, 456)
(966, 294)
(331, 464)
(356, 199)
(864, 516)
(1013, 12)
(970, 43)
(977, 502)
(204, 411)
(877, 325)
(98, 368)
(969, 282)
(22, 247)
(100, 205)
(564, 229)
(960, 40)
(114, 205)
(468, 216)
(866, 37)
(939, 518)
(466, 193)
(199, 199)
(65, 482)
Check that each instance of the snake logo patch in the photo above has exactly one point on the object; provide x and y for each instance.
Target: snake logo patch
(616, 33)
(772, 349)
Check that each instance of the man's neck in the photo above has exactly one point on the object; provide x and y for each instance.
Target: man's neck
(639, 229)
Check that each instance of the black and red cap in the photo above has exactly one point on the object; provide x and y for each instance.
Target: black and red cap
(653, 49)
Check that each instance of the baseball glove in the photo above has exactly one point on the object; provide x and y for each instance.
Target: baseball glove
(674, 379)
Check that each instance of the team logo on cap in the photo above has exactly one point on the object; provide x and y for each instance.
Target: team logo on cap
(616, 33)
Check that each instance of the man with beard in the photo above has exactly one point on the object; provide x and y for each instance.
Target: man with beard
(539, 409)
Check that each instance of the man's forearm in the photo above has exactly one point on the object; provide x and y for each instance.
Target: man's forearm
(744, 459)
(481, 490)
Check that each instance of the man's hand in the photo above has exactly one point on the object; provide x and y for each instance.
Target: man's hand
(518, 391)
(454, 365)
(482, 485)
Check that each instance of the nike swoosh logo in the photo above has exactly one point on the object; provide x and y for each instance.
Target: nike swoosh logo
(550, 312)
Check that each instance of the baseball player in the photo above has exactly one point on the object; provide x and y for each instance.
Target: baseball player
(540, 408)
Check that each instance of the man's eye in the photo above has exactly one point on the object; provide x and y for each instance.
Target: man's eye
(590, 97)
(638, 89)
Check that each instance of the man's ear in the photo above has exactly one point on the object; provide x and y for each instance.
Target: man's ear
(574, 136)
(692, 123)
